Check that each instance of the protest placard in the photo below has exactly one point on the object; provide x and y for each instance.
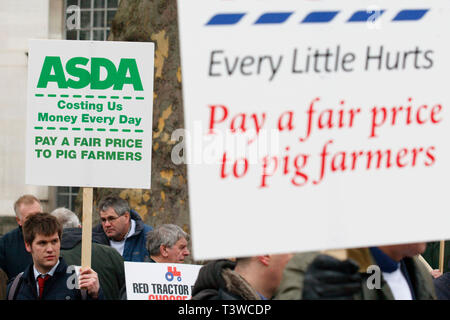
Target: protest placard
(89, 118)
(160, 281)
(314, 124)
(89, 113)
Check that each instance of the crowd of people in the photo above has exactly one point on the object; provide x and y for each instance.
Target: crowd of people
(38, 256)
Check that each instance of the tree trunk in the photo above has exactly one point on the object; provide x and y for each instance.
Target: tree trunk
(167, 201)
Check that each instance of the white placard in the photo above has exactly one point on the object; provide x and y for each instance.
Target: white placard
(160, 281)
(315, 124)
(89, 113)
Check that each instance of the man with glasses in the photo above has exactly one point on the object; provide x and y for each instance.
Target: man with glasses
(123, 229)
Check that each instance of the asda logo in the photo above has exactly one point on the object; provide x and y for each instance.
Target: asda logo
(81, 72)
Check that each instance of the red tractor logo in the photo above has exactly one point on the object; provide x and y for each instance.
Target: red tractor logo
(172, 273)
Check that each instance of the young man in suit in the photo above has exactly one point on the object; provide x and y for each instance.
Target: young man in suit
(47, 278)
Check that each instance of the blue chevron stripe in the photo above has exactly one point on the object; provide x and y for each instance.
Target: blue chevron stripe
(410, 15)
(315, 17)
(225, 19)
(273, 17)
(364, 16)
(320, 16)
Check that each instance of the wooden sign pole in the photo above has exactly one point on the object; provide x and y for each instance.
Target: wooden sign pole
(86, 240)
(422, 259)
(441, 256)
(340, 254)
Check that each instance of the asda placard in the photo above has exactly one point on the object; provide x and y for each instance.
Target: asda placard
(89, 113)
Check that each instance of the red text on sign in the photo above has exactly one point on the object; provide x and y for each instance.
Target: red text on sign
(238, 123)
(403, 115)
(329, 118)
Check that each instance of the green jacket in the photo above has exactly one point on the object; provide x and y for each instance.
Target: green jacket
(431, 255)
(106, 261)
(291, 285)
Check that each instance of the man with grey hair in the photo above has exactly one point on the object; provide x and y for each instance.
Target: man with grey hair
(14, 258)
(66, 218)
(122, 229)
(106, 261)
(165, 244)
(168, 243)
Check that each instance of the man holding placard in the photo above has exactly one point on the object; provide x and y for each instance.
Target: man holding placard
(106, 261)
(47, 277)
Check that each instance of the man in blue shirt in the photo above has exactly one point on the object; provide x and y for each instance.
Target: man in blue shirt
(122, 229)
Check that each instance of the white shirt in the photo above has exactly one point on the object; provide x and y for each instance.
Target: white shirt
(120, 245)
(398, 284)
(37, 274)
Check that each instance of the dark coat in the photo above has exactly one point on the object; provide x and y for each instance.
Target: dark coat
(123, 291)
(135, 246)
(442, 286)
(14, 258)
(294, 276)
(106, 261)
(217, 281)
(55, 288)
